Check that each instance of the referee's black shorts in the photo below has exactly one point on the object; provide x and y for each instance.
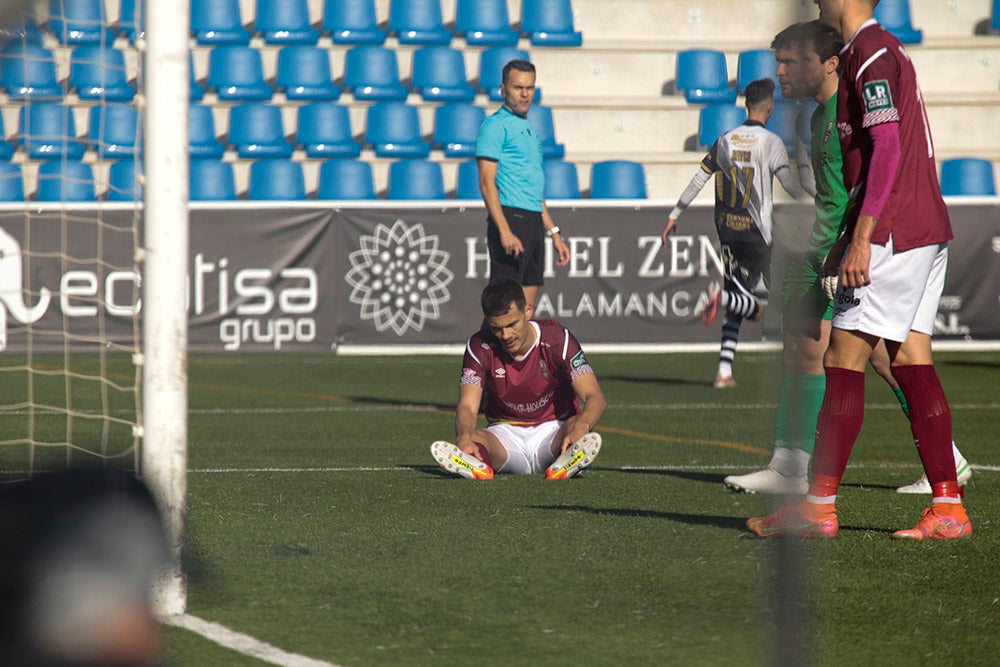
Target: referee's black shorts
(527, 269)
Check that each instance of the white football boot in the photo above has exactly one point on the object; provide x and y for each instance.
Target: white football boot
(785, 474)
(454, 460)
(577, 456)
(962, 469)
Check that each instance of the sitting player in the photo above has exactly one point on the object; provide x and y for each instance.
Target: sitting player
(534, 374)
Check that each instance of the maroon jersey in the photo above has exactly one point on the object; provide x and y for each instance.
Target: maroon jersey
(535, 389)
(879, 85)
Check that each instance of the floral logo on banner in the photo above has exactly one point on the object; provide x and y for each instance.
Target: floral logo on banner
(399, 277)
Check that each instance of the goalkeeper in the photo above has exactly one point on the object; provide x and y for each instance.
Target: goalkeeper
(808, 60)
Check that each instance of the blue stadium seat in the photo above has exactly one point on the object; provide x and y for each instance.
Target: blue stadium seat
(804, 122)
(345, 179)
(65, 181)
(304, 73)
(784, 122)
(995, 16)
(22, 31)
(276, 179)
(417, 22)
(257, 130)
(79, 22)
(6, 148)
(715, 119)
(549, 23)
(455, 128)
(123, 181)
(895, 16)
(11, 182)
(98, 73)
(968, 176)
(439, 75)
(30, 74)
(202, 140)
(393, 130)
(132, 20)
(218, 22)
(47, 130)
(211, 180)
(372, 73)
(197, 90)
(467, 181)
(756, 64)
(285, 22)
(561, 180)
(617, 179)
(491, 64)
(324, 130)
(352, 22)
(484, 23)
(703, 77)
(540, 118)
(415, 179)
(115, 131)
(236, 73)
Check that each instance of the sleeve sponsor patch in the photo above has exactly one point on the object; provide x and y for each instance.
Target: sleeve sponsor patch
(877, 96)
(470, 376)
(578, 360)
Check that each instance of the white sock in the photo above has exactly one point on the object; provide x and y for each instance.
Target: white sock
(790, 461)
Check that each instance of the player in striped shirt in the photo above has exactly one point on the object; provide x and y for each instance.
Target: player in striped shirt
(534, 375)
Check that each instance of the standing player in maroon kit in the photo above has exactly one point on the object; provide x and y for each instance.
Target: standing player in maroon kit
(890, 279)
(534, 374)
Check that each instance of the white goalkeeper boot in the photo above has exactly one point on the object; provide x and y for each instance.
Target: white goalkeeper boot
(962, 469)
(785, 474)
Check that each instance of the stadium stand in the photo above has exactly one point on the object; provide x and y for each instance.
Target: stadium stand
(11, 182)
(549, 23)
(324, 131)
(784, 122)
(467, 181)
(65, 181)
(276, 179)
(304, 73)
(754, 64)
(29, 73)
(123, 182)
(372, 73)
(218, 22)
(415, 179)
(617, 179)
(131, 21)
(285, 22)
(352, 22)
(561, 180)
(968, 176)
(197, 90)
(393, 130)
(491, 64)
(895, 16)
(455, 128)
(47, 130)
(345, 179)
(417, 22)
(702, 75)
(114, 131)
(439, 75)
(6, 148)
(211, 180)
(257, 130)
(484, 23)
(98, 73)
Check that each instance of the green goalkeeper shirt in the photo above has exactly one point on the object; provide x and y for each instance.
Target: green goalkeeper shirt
(831, 194)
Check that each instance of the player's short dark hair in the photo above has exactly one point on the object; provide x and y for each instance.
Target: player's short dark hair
(499, 294)
(759, 91)
(791, 37)
(825, 41)
(519, 65)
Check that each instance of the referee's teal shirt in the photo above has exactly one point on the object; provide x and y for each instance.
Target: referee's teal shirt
(511, 141)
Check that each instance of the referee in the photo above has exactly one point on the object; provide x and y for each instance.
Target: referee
(509, 156)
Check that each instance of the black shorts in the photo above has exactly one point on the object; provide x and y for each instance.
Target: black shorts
(526, 269)
(746, 266)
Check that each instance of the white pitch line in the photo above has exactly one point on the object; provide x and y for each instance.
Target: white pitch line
(213, 471)
(243, 643)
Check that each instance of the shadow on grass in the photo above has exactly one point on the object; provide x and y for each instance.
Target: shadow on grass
(709, 477)
(738, 523)
(661, 382)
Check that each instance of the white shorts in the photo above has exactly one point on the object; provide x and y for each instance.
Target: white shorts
(528, 448)
(903, 294)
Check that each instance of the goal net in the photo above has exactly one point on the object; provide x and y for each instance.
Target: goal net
(93, 247)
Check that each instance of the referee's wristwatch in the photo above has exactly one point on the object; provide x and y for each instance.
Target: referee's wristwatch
(552, 232)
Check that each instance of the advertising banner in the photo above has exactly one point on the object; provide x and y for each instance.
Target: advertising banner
(308, 278)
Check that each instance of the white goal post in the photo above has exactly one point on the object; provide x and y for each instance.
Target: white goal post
(165, 253)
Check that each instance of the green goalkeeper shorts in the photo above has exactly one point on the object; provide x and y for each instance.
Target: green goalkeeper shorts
(802, 297)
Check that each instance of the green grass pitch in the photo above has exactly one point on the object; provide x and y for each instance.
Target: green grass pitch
(318, 522)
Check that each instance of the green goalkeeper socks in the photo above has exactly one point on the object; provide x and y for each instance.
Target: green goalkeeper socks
(798, 410)
(902, 401)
